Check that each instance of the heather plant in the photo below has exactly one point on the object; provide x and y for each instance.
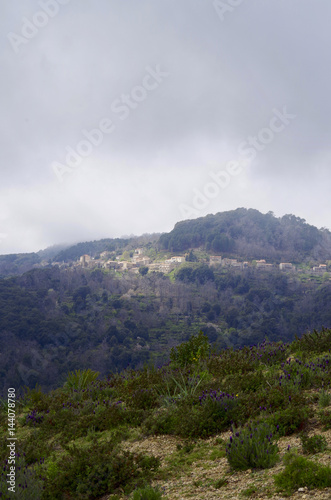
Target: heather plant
(218, 405)
(313, 444)
(29, 481)
(271, 353)
(300, 472)
(214, 413)
(278, 397)
(306, 374)
(34, 418)
(252, 447)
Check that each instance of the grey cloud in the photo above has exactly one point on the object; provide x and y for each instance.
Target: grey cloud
(225, 78)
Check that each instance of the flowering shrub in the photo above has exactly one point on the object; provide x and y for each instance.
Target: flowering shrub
(29, 481)
(34, 418)
(252, 448)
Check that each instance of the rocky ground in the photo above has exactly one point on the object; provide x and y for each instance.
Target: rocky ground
(195, 474)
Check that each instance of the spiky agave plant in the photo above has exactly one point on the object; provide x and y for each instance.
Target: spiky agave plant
(80, 379)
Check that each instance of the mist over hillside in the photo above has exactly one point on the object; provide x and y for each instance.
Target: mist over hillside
(242, 233)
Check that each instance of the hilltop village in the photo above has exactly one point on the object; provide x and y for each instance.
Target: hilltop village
(138, 259)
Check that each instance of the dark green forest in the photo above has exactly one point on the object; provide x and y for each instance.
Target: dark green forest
(252, 235)
(55, 320)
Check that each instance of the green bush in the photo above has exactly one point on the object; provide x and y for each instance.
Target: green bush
(251, 382)
(36, 447)
(289, 420)
(194, 351)
(223, 481)
(300, 472)
(250, 491)
(324, 399)
(252, 447)
(147, 493)
(317, 342)
(313, 444)
(143, 399)
(232, 361)
(162, 421)
(325, 418)
(99, 469)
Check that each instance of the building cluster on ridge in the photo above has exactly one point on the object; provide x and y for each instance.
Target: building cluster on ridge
(139, 259)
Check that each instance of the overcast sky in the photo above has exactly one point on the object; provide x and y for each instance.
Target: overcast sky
(124, 117)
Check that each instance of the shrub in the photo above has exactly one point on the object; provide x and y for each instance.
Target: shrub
(34, 418)
(251, 382)
(36, 447)
(313, 444)
(223, 481)
(324, 399)
(162, 421)
(192, 352)
(325, 418)
(147, 493)
(250, 491)
(232, 362)
(313, 342)
(217, 411)
(80, 379)
(29, 481)
(252, 447)
(300, 472)
(99, 469)
(143, 399)
(289, 420)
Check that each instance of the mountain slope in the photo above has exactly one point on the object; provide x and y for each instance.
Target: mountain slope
(249, 234)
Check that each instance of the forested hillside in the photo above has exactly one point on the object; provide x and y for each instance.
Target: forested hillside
(251, 235)
(55, 320)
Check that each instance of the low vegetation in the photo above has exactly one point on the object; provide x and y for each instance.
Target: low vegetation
(231, 411)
